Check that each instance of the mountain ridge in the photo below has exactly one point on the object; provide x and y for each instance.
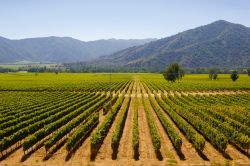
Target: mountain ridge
(218, 44)
(60, 49)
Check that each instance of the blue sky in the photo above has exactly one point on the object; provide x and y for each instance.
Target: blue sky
(124, 19)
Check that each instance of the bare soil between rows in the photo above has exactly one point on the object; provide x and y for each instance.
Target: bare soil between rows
(146, 150)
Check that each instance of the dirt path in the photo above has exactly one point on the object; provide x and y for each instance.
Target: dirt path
(14, 158)
(37, 157)
(146, 149)
(82, 155)
(237, 156)
(167, 149)
(213, 155)
(105, 152)
(134, 87)
(59, 156)
(125, 150)
(190, 154)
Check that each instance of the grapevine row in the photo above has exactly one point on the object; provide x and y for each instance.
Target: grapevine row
(191, 134)
(215, 137)
(98, 136)
(120, 125)
(82, 132)
(152, 128)
(42, 133)
(136, 129)
(73, 124)
(173, 135)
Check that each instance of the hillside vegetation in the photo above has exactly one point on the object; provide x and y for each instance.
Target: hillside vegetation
(220, 44)
(60, 49)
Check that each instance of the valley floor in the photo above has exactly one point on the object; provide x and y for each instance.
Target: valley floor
(217, 100)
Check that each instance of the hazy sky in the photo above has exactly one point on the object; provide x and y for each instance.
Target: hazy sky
(104, 19)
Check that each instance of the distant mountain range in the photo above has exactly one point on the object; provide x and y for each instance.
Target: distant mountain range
(220, 44)
(60, 49)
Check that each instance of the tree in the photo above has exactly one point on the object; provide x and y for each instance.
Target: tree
(248, 72)
(234, 75)
(213, 74)
(173, 72)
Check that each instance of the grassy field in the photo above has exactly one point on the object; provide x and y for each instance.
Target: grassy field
(69, 81)
(66, 119)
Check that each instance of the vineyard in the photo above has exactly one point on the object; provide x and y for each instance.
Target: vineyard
(123, 119)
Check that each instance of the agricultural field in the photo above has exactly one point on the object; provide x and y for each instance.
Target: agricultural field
(123, 119)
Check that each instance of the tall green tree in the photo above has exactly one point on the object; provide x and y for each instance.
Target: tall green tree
(213, 74)
(248, 72)
(234, 75)
(173, 72)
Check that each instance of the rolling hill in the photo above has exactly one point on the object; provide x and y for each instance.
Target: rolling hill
(220, 44)
(60, 49)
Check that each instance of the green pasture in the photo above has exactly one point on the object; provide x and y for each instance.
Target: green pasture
(78, 81)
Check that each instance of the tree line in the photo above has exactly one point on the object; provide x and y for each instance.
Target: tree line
(213, 72)
(175, 73)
